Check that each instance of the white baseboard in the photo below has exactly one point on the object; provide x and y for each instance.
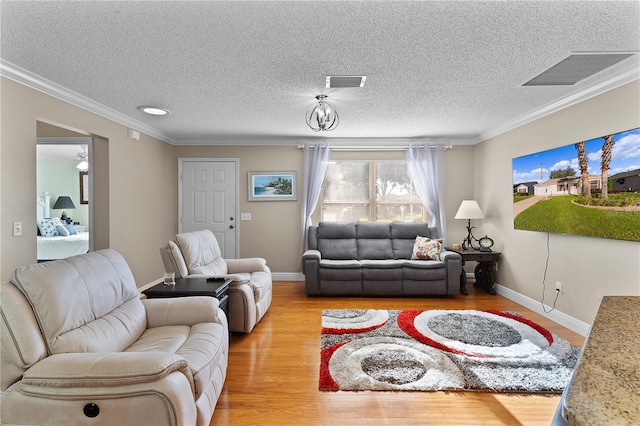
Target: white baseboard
(151, 284)
(561, 318)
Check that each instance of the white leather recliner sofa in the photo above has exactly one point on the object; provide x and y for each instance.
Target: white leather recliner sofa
(80, 347)
(197, 254)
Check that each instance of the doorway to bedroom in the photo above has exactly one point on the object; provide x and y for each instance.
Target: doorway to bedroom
(64, 186)
(62, 203)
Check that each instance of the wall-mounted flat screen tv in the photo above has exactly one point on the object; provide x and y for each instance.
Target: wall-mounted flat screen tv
(589, 187)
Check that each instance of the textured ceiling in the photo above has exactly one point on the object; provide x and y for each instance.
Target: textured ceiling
(246, 72)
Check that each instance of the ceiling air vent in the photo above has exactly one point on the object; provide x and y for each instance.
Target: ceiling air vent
(345, 81)
(575, 68)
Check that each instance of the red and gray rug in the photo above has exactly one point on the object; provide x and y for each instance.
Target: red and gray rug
(441, 350)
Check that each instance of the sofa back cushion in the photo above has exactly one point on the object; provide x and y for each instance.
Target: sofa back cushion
(337, 240)
(173, 260)
(374, 240)
(85, 303)
(201, 253)
(22, 344)
(403, 235)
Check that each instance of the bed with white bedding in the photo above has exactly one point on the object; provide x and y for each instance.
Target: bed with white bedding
(60, 247)
(51, 247)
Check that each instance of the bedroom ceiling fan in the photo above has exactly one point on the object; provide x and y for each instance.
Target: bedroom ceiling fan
(83, 157)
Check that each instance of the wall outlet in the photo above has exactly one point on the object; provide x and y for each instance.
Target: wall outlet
(558, 286)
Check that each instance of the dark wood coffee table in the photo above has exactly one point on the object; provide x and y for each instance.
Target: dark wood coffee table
(213, 287)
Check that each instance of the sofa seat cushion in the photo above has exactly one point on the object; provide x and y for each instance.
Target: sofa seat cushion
(340, 264)
(340, 270)
(201, 345)
(381, 264)
(423, 264)
(424, 270)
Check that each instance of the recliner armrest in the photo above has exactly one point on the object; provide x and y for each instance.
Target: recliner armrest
(182, 311)
(447, 256)
(248, 264)
(95, 369)
(312, 254)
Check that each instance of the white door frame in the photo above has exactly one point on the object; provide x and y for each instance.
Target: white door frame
(236, 208)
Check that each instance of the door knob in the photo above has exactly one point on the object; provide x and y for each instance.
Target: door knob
(231, 218)
(231, 226)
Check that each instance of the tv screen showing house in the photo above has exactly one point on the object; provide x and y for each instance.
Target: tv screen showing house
(589, 187)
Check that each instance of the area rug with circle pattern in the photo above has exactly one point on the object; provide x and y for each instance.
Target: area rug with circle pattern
(453, 350)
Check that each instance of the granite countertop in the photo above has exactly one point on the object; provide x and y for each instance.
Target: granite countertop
(605, 388)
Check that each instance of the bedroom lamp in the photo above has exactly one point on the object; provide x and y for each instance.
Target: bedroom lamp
(469, 209)
(62, 203)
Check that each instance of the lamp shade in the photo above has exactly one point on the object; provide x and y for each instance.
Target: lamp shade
(63, 202)
(469, 209)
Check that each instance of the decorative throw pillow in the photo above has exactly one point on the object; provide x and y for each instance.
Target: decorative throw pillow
(48, 227)
(426, 249)
(62, 231)
(72, 229)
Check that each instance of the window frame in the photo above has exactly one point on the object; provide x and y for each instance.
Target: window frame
(372, 202)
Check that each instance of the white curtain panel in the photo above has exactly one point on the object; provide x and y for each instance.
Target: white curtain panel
(426, 167)
(315, 164)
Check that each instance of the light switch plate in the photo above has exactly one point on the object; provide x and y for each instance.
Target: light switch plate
(245, 216)
(17, 229)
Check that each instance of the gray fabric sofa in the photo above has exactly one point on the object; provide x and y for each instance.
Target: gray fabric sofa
(374, 259)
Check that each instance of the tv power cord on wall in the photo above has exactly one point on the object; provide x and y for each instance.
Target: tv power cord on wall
(544, 280)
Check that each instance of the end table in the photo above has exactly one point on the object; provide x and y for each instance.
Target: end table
(485, 271)
(200, 286)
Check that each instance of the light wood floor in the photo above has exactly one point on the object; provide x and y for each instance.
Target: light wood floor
(272, 378)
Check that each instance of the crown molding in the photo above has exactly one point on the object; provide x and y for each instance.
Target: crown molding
(36, 82)
(623, 77)
(41, 84)
(372, 143)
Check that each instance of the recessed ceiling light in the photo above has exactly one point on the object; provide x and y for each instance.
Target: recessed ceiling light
(153, 110)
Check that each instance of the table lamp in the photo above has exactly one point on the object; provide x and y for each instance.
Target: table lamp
(469, 209)
(62, 203)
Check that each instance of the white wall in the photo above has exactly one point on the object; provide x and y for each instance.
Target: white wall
(133, 180)
(588, 268)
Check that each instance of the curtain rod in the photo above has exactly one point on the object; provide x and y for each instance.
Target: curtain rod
(377, 147)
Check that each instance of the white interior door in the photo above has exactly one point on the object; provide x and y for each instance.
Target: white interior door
(208, 192)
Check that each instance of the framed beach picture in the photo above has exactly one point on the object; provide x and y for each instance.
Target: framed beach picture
(272, 186)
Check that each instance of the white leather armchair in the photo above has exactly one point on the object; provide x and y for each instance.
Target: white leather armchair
(197, 254)
(80, 347)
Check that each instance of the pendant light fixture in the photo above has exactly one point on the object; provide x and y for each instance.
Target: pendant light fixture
(322, 117)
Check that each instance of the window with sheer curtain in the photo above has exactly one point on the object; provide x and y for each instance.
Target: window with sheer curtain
(379, 191)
